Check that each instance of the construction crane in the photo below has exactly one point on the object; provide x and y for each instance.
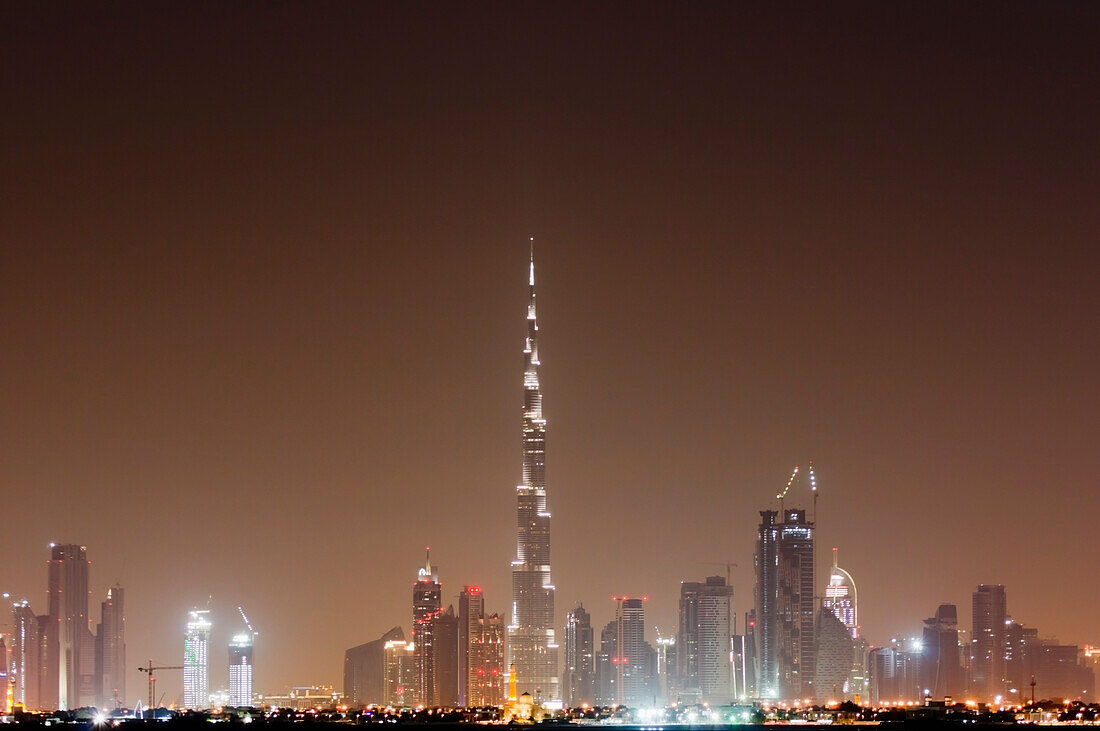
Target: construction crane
(729, 568)
(248, 624)
(811, 478)
(150, 669)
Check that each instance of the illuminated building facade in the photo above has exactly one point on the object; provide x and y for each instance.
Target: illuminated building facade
(840, 597)
(578, 679)
(785, 606)
(196, 660)
(399, 672)
(366, 669)
(704, 668)
(240, 670)
(633, 660)
(110, 654)
(480, 651)
(25, 657)
(989, 647)
(68, 603)
(427, 595)
(531, 643)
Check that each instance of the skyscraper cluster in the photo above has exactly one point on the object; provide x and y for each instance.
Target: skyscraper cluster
(197, 658)
(1002, 661)
(57, 660)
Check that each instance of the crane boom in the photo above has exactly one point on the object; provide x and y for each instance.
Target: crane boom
(150, 669)
(246, 622)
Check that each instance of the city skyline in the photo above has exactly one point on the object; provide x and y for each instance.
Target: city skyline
(272, 289)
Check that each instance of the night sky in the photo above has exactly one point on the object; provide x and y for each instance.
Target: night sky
(262, 301)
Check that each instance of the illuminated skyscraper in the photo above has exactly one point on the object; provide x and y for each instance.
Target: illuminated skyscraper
(240, 670)
(579, 676)
(703, 645)
(196, 660)
(990, 617)
(785, 605)
(480, 650)
(633, 660)
(68, 597)
(25, 656)
(427, 596)
(531, 644)
(840, 598)
(110, 643)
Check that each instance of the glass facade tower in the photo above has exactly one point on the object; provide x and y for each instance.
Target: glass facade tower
(531, 643)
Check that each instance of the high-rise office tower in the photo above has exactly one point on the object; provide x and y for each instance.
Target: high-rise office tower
(703, 644)
(68, 601)
(840, 597)
(49, 662)
(1021, 656)
(834, 657)
(634, 660)
(25, 653)
(110, 644)
(785, 606)
(240, 670)
(427, 597)
(531, 644)
(941, 672)
(988, 665)
(492, 686)
(368, 676)
(607, 666)
(196, 660)
(445, 639)
(399, 672)
(578, 678)
(471, 631)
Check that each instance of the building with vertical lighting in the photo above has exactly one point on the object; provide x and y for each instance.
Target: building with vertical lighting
(110, 656)
(785, 605)
(840, 597)
(240, 670)
(988, 664)
(25, 656)
(703, 656)
(196, 660)
(427, 599)
(68, 603)
(531, 645)
(578, 678)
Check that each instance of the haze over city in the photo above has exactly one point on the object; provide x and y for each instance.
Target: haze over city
(263, 289)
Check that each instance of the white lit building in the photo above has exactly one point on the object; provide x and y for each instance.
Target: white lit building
(240, 670)
(196, 660)
(840, 598)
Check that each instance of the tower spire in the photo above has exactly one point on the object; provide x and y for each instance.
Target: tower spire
(531, 648)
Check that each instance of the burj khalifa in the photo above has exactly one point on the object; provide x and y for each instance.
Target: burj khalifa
(532, 649)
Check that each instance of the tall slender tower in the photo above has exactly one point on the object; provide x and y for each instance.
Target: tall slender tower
(196, 660)
(532, 648)
(68, 597)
